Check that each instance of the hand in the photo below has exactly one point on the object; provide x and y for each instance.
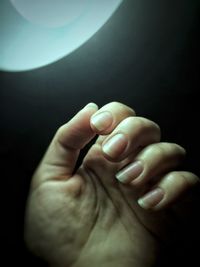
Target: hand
(111, 211)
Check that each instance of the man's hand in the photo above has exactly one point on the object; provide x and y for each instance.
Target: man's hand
(111, 211)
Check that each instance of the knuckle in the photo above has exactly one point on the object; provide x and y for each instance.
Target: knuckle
(154, 126)
(157, 127)
(157, 149)
(60, 130)
(163, 149)
(189, 179)
(128, 121)
(141, 122)
(172, 176)
(149, 126)
(175, 149)
(148, 123)
(180, 149)
(60, 134)
(186, 179)
(121, 106)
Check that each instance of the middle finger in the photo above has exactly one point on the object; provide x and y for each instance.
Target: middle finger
(131, 134)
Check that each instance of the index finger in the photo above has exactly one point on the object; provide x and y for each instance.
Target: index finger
(105, 120)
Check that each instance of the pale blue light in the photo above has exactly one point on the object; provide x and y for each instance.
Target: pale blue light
(33, 37)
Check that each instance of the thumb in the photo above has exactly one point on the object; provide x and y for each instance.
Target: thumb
(61, 157)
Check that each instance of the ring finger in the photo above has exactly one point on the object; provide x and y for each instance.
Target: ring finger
(152, 161)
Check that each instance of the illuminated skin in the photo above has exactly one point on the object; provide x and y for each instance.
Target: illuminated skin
(89, 218)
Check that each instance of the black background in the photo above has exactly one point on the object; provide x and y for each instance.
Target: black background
(146, 56)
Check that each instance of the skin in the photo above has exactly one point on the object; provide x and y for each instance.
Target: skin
(87, 217)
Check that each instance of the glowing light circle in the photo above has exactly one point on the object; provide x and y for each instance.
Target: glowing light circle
(51, 13)
(36, 33)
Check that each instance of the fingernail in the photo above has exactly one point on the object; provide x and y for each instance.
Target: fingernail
(92, 105)
(115, 146)
(151, 199)
(130, 173)
(102, 120)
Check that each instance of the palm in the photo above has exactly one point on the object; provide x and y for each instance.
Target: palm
(91, 214)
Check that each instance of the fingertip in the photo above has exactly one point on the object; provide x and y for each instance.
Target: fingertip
(114, 147)
(101, 122)
(152, 199)
(109, 116)
(91, 105)
(173, 186)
